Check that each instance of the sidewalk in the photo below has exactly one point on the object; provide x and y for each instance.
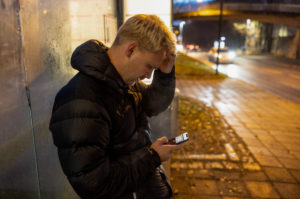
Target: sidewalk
(264, 127)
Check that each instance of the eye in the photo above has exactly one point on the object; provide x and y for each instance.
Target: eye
(150, 67)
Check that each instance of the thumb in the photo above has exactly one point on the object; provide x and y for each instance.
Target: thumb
(163, 140)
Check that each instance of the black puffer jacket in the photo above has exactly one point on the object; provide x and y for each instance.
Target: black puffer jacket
(100, 128)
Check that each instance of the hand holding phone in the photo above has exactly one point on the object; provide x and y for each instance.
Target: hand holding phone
(179, 139)
(164, 149)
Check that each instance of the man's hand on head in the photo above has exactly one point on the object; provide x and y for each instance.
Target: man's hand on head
(168, 63)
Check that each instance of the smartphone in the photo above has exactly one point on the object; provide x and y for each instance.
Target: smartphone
(179, 139)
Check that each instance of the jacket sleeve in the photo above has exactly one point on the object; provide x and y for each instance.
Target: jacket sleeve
(158, 96)
(81, 132)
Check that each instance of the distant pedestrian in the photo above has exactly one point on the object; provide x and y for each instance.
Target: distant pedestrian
(99, 120)
(243, 50)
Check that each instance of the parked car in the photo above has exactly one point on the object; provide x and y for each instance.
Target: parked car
(225, 55)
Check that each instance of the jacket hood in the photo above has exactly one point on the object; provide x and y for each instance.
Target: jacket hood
(91, 58)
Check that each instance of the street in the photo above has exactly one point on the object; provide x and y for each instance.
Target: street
(274, 75)
(244, 132)
(244, 142)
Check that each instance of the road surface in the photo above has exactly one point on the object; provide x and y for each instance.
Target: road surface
(278, 76)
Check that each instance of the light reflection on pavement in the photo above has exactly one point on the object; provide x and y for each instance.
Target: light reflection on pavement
(270, 74)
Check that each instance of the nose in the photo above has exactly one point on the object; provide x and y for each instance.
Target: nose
(149, 73)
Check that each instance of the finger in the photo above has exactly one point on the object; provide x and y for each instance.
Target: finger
(163, 140)
(173, 147)
(177, 147)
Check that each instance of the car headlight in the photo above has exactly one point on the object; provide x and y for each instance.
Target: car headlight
(231, 55)
(216, 55)
(179, 47)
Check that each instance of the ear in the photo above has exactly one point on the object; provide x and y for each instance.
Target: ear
(130, 48)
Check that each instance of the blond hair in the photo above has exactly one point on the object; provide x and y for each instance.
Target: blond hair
(149, 31)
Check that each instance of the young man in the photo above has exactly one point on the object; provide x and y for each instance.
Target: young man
(99, 120)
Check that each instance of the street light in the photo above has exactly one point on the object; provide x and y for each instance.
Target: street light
(219, 35)
(180, 30)
(248, 23)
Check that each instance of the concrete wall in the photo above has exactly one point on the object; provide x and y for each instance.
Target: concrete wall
(36, 41)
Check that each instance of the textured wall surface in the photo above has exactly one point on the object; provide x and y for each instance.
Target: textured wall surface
(36, 41)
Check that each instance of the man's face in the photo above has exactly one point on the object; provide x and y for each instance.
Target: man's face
(141, 64)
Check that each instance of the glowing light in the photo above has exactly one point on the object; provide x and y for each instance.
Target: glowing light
(180, 30)
(179, 47)
(208, 12)
(231, 70)
(248, 23)
(283, 32)
(216, 55)
(222, 44)
(157, 7)
(231, 54)
(216, 44)
(182, 23)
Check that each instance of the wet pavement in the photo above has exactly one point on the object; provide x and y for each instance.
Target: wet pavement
(279, 76)
(244, 142)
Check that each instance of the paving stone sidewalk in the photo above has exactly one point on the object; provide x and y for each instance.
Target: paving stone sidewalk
(258, 157)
